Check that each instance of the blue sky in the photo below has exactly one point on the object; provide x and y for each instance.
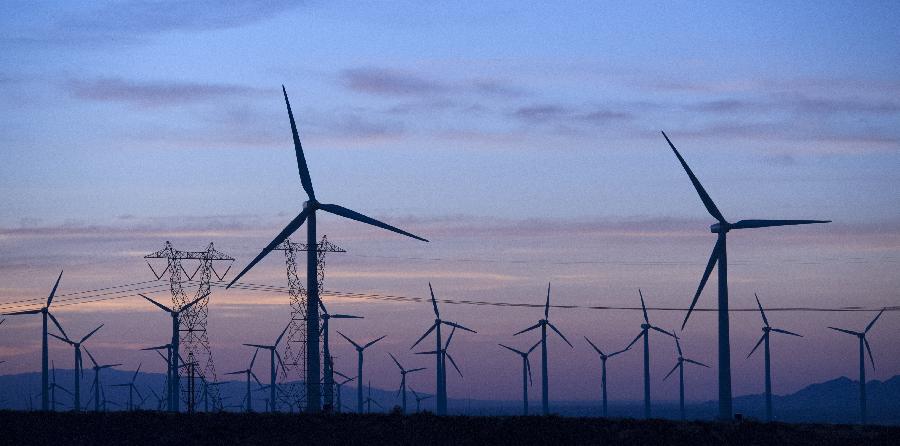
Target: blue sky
(506, 131)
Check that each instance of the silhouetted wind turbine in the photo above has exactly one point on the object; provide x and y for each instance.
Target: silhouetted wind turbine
(526, 372)
(313, 400)
(359, 368)
(174, 384)
(645, 333)
(679, 364)
(54, 386)
(603, 358)
(419, 398)
(249, 372)
(96, 385)
(863, 342)
(326, 353)
(45, 313)
(79, 372)
(370, 400)
(719, 257)
(131, 388)
(168, 358)
(403, 373)
(338, 386)
(440, 369)
(765, 339)
(273, 354)
(444, 356)
(543, 324)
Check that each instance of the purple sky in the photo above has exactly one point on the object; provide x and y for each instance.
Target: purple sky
(524, 142)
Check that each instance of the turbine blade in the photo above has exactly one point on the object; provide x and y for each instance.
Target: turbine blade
(345, 316)
(305, 180)
(536, 344)
(417, 369)
(370, 343)
(58, 326)
(761, 339)
(529, 328)
(282, 334)
(616, 353)
(353, 215)
(53, 292)
(869, 327)
(654, 327)
(191, 303)
(713, 258)
(454, 363)
(432, 352)
(349, 340)
(635, 339)
(678, 345)
(430, 329)
(434, 302)
(256, 345)
(90, 356)
(528, 368)
(284, 234)
(869, 349)
(163, 307)
(560, 334)
(449, 338)
(17, 313)
(707, 201)
(763, 313)
(62, 339)
(695, 362)
(90, 334)
(778, 330)
(251, 361)
(592, 345)
(672, 371)
(281, 362)
(455, 325)
(396, 362)
(643, 307)
(747, 224)
(547, 305)
(845, 331)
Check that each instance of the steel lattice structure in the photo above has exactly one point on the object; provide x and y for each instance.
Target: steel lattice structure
(295, 355)
(194, 338)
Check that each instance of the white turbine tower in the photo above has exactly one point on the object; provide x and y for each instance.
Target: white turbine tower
(765, 339)
(543, 324)
(719, 257)
(308, 215)
(863, 342)
(603, 358)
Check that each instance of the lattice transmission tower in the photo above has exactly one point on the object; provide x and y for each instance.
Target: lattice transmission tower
(294, 350)
(193, 338)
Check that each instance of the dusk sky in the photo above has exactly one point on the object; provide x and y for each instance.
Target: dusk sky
(522, 139)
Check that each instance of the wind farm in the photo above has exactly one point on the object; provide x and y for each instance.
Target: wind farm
(486, 150)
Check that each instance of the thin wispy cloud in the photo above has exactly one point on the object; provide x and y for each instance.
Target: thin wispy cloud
(154, 93)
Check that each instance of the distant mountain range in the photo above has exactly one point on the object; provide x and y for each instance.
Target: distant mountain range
(835, 401)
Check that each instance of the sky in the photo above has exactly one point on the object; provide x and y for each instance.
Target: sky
(521, 138)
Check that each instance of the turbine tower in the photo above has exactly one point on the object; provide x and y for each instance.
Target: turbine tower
(444, 356)
(359, 368)
(679, 365)
(863, 342)
(526, 372)
(765, 339)
(720, 257)
(273, 354)
(403, 373)
(174, 345)
(79, 372)
(96, 385)
(645, 333)
(440, 370)
(543, 324)
(45, 372)
(603, 358)
(308, 215)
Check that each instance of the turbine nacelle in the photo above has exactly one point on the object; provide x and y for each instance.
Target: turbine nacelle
(720, 227)
(311, 204)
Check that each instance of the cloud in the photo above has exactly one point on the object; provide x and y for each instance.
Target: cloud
(381, 81)
(798, 103)
(563, 114)
(154, 93)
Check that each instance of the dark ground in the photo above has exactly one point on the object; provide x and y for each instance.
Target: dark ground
(154, 428)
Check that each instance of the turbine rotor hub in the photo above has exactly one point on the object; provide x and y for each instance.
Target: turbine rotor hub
(720, 227)
(311, 204)
(645, 326)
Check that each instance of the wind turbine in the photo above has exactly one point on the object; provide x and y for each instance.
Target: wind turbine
(359, 368)
(679, 364)
(863, 342)
(326, 353)
(720, 257)
(249, 372)
(45, 313)
(174, 384)
(543, 324)
(440, 370)
(403, 373)
(313, 400)
(79, 372)
(96, 385)
(370, 400)
(419, 398)
(765, 339)
(54, 386)
(603, 358)
(273, 353)
(645, 333)
(338, 386)
(168, 358)
(131, 388)
(526, 372)
(444, 355)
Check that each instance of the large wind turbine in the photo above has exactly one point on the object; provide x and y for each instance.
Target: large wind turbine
(308, 215)
(645, 333)
(326, 354)
(863, 342)
(45, 371)
(273, 354)
(603, 358)
(249, 373)
(96, 385)
(79, 372)
(719, 257)
(440, 370)
(526, 372)
(765, 339)
(174, 385)
(543, 324)
(403, 373)
(359, 368)
(679, 364)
